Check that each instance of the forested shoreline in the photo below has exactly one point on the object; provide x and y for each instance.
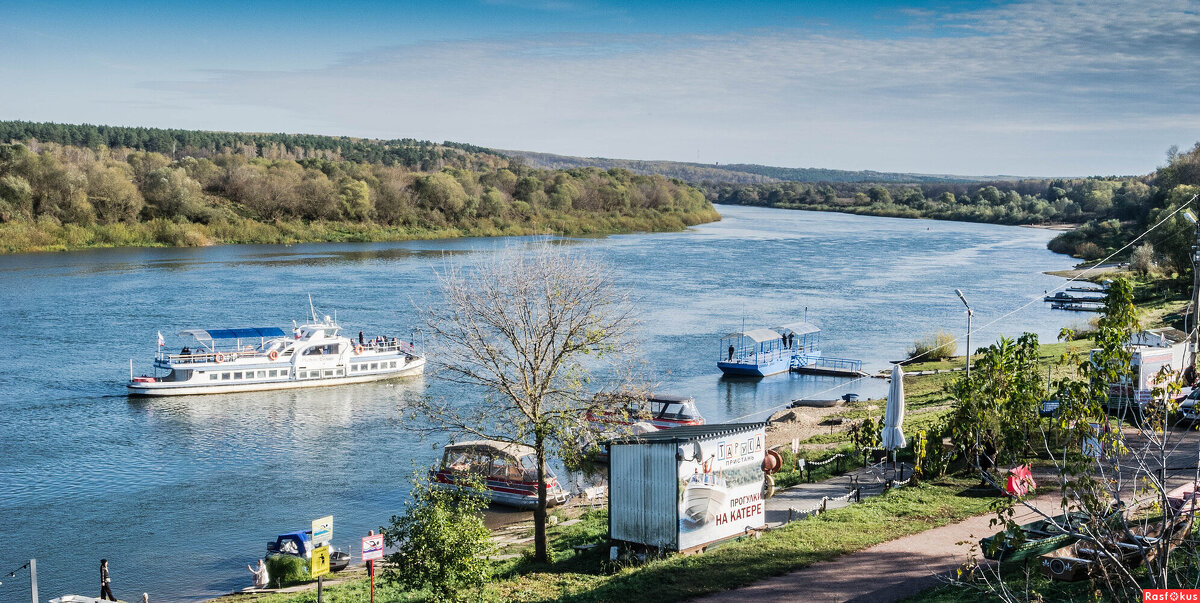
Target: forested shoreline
(1108, 211)
(216, 188)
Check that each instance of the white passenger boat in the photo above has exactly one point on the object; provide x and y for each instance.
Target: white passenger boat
(256, 359)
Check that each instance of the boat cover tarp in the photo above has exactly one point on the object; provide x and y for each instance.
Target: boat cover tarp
(247, 333)
(758, 335)
(799, 328)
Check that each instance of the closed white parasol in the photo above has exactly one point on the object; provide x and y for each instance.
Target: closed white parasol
(893, 415)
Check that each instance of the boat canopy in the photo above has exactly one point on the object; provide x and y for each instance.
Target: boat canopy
(511, 449)
(799, 328)
(248, 333)
(758, 335)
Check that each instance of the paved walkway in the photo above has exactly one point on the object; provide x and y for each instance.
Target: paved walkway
(886, 572)
(801, 498)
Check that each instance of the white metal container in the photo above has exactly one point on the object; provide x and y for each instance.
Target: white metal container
(686, 487)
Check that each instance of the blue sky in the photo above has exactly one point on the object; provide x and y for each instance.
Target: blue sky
(1053, 87)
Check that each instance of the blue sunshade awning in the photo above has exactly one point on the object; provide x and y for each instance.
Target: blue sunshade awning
(247, 333)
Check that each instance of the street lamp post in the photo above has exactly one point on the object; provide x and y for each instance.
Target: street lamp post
(970, 313)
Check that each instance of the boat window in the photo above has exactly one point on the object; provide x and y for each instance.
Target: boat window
(213, 376)
(328, 372)
(374, 366)
(272, 373)
(262, 374)
(237, 375)
(224, 376)
(338, 372)
(468, 461)
(529, 469)
(392, 364)
(506, 468)
(328, 349)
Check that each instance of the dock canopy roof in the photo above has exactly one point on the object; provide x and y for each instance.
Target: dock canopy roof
(248, 333)
(759, 335)
(799, 328)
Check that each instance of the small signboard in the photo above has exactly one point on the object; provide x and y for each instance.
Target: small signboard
(372, 547)
(320, 561)
(322, 530)
(1143, 396)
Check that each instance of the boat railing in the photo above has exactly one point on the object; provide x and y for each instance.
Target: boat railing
(206, 356)
(755, 356)
(835, 363)
(388, 346)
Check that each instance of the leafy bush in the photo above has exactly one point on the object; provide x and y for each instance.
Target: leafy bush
(286, 570)
(1142, 260)
(441, 542)
(1089, 251)
(939, 346)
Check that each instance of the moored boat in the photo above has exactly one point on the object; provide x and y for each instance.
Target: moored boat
(763, 352)
(507, 470)
(257, 359)
(1032, 539)
(663, 411)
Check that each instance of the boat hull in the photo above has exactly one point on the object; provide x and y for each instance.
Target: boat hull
(749, 369)
(520, 495)
(184, 388)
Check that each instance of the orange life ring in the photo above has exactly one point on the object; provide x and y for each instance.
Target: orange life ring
(219, 358)
(358, 349)
(273, 354)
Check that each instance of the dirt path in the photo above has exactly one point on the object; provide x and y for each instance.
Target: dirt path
(883, 573)
(805, 422)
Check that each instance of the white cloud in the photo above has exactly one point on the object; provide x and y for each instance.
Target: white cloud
(1031, 88)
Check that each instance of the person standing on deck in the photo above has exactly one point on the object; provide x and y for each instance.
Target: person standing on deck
(105, 582)
(360, 338)
(731, 352)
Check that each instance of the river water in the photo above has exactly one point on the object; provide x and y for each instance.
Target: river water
(181, 493)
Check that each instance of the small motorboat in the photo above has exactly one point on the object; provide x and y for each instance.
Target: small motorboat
(300, 544)
(817, 403)
(1032, 539)
(508, 471)
(663, 411)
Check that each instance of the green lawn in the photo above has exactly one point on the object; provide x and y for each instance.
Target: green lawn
(589, 577)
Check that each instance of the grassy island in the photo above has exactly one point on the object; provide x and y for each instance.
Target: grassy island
(74, 187)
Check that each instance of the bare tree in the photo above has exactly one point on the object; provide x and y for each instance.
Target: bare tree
(537, 334)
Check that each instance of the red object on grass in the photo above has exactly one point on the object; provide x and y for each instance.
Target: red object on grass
(1020, 481)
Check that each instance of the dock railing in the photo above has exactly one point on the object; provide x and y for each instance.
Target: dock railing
(831, 362)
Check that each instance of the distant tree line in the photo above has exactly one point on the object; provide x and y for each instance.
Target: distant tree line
(734, 173)
(1109, 210)
(418, 154)
(65, 188)
(827, 175)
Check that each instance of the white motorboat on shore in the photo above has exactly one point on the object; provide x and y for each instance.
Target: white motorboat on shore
(257, 359)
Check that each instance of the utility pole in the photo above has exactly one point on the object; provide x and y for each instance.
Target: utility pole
(970, 313)
(33, 594)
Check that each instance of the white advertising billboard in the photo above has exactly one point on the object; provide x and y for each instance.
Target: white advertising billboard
(720, 486)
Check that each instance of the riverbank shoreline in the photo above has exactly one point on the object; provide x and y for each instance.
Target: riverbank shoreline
(21, 237)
